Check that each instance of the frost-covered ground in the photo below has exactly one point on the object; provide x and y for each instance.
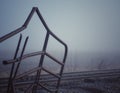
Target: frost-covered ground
(104, 85)
(97, 86)
(94, 86)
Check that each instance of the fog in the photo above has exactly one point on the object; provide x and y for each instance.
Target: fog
(90, 28)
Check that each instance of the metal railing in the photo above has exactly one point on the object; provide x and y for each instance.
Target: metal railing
(16, 61)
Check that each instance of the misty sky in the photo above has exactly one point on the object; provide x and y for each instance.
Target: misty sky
(84, 25)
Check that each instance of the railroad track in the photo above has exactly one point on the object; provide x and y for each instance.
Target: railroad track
(67, 77)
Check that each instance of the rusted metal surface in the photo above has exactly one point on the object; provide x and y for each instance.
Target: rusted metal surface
(17, 60)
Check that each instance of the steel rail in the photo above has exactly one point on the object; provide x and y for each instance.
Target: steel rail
(70, 77)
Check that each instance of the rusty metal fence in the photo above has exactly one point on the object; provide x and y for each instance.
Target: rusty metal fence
(16, 61)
